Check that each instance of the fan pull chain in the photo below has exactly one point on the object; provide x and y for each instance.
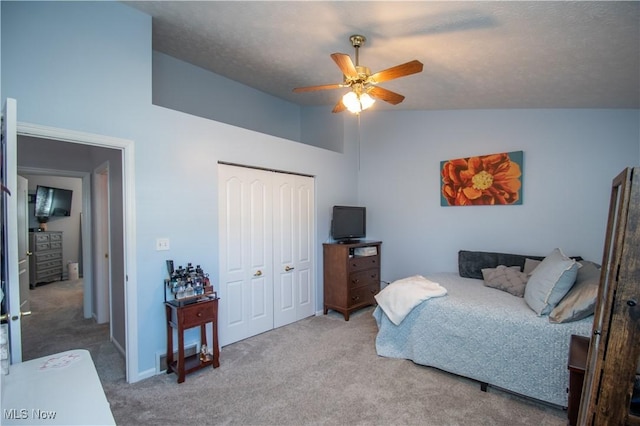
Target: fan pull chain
(359, 140)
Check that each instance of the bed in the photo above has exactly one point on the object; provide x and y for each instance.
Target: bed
(484, 334)
(59, 389)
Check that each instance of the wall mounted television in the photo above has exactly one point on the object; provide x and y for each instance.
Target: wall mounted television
(51, 202)
(348, 223)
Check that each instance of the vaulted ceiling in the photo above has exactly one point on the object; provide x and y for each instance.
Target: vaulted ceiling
(476, 54)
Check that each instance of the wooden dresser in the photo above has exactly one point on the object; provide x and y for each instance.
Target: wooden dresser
(351, 276)
(578, 350)
(45, 264)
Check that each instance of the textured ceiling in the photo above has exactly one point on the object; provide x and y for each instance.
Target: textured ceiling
(509, 54)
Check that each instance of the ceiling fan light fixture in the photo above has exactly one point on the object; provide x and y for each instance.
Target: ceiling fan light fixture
(357, 102)
(366, 101)
(363, 84)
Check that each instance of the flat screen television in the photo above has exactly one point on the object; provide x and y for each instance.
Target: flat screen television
(348, 223)
(52, 202)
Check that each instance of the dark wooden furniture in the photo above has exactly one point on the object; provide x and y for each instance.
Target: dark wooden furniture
(46, 264)
(181, 318)
(578, 350)
(615, 341)
(351, 276)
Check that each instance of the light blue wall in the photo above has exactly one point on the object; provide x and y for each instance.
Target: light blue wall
(187, 88)
(68, 67)
(184, 87)
(322, 128)
(570, 159)
(87, 66)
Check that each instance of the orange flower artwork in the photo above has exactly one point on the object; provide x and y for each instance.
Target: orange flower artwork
(494, 179)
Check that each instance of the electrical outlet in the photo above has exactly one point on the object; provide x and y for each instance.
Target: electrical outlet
(162, 244)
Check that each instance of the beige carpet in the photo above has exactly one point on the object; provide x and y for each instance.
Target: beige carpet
(318, 371)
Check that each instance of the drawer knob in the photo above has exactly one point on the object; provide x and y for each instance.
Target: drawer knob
(199, 314)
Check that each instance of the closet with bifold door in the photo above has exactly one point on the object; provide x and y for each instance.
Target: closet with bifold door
(266, 250)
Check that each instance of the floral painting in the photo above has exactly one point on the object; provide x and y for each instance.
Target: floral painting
(494, 179)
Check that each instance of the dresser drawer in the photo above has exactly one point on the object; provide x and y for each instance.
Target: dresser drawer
(52, 255)
(364, 278)
(358, 263)
(197, 314)
(42, 238)
(42, 246)
(49, 274)
(363, 295)
(41, 266)
(55, 237)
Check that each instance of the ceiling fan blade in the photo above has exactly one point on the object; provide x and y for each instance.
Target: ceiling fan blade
(385, 95)
(345, 64)
(339, 107)
(398, 71)
(320, 87)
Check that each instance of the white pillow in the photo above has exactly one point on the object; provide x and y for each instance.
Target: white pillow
(401, 296)
(550, 281)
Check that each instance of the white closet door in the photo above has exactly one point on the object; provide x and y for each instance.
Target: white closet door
(293, 218)
(246, 257)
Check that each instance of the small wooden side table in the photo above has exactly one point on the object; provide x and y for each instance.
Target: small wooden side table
(578, 351)
(182, 318)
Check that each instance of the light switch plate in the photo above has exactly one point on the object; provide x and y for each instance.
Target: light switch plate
(162, 244)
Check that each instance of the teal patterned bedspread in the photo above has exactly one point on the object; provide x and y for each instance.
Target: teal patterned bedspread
(487, 335)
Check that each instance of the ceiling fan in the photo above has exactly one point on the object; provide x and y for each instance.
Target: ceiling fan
(363, 84)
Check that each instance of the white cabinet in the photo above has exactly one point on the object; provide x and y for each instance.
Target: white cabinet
(266, 253)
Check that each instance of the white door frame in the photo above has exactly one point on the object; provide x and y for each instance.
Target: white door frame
(126, 146)
(102, 201)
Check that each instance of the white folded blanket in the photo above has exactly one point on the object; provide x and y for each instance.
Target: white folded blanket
(401, 296)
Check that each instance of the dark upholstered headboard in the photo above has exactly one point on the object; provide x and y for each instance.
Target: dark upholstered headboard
(471, 263)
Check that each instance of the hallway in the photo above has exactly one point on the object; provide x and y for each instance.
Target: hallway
(57, 324)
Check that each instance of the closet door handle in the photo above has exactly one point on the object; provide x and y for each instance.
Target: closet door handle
(258, 273)
(289, 268)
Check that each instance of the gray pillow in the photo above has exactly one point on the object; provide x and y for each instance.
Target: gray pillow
(530, 265)
(550, 281)
(580, 302)
(506, 278)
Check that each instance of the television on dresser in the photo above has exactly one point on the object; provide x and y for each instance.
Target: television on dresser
(51, 202)
(348, 223)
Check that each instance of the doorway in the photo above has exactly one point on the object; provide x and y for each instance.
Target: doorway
(50, 268)
(87, 149)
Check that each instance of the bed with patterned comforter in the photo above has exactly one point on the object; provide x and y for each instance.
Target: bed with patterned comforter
(487, 335)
